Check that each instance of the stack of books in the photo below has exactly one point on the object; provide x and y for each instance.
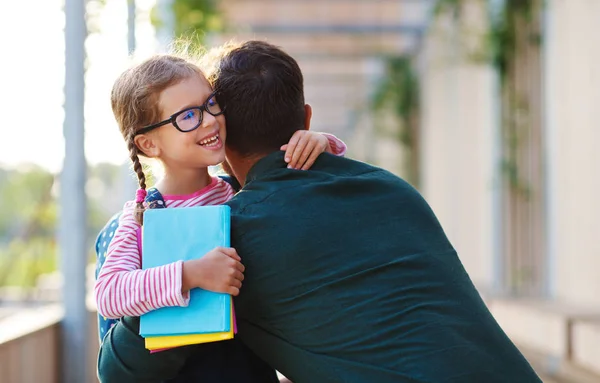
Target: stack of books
(173, 234)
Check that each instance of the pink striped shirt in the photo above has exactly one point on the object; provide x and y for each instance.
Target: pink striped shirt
(123, 288)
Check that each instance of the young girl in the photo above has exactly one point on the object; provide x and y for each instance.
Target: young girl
(166, 109)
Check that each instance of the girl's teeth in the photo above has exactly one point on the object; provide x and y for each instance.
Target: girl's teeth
(209, 140)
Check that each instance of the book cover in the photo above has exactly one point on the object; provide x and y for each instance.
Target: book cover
(173, 234)
(159, 343)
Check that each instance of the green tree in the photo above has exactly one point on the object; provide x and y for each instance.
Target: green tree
(193, 19)
(28, 224)
(396, 104)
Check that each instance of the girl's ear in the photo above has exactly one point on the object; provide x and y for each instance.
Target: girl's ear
(147, 145)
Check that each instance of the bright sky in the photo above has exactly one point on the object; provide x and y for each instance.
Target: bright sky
(32, 78)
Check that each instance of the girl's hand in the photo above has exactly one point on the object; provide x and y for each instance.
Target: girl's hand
(220, 270)
(304, 148)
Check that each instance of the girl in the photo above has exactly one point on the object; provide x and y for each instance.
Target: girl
(166, 109)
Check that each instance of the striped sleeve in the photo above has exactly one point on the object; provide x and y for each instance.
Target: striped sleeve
(338, 147)
(122, 288)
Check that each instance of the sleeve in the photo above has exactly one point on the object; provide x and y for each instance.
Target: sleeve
(338, 147)
(122, 288)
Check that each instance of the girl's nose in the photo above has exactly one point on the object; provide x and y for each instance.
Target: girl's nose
(208, 120)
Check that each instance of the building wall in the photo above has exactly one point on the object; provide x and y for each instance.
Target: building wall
(461, 174)
(573, 159)
(457, 146)
(460, 144)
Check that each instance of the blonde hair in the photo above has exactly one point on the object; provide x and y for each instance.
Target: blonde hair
(134, 100)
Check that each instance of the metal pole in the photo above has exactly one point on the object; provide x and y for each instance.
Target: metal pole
(131, 26)
(129, 181)
(73, 218)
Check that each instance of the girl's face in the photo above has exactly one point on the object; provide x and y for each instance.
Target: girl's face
(201, 147)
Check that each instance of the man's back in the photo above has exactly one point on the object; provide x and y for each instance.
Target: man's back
(350, 278)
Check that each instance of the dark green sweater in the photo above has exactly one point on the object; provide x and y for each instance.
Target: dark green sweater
(350, 278)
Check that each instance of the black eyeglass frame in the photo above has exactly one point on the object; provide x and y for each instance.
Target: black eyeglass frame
(173, 119)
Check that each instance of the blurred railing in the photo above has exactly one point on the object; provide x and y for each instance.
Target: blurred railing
(560, 341)
(30, 346)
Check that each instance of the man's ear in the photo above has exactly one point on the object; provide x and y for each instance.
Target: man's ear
(307, 116)
(146, 145)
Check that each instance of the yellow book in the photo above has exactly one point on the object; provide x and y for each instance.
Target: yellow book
(161, 342)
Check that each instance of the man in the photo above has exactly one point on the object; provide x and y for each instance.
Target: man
(349, 276)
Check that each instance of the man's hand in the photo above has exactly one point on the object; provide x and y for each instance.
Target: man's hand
(304, 148)
(220, 270)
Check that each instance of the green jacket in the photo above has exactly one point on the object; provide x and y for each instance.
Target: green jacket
(350, 278)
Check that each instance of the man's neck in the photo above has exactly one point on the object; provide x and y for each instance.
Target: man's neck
(241, 165)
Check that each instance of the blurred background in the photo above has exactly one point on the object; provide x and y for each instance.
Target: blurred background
(488, 107)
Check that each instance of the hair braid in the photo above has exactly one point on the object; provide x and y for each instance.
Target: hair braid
(139, 171)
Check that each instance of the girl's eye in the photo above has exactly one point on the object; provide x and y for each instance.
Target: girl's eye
(189, 114)
(212, 102)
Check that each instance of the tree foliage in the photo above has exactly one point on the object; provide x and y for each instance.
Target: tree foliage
(398, 93)
(29, 219)
(192, 18)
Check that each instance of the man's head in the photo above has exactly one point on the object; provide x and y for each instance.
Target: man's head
(261, 88)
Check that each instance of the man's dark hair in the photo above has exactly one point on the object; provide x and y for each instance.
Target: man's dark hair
(261, 88)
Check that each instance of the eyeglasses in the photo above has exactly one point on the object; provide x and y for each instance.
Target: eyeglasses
(190, 118)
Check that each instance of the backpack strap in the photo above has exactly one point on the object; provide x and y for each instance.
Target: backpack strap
(101, 246)
(155, 200)
(232, 181)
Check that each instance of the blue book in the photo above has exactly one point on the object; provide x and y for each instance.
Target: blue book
(173, 234)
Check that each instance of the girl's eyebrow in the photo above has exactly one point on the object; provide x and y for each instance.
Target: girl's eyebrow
(192, 105)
